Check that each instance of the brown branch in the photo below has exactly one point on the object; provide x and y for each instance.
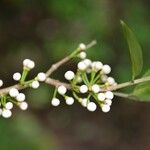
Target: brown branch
(55, 66)
(130, 83)
(52, 69)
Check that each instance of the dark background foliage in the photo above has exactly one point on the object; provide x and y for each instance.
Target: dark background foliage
(48, 30)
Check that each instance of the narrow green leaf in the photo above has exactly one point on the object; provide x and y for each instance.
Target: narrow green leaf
(135, 50)
(142, 91)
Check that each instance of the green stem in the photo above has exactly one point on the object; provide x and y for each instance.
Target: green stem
(55, 92)
(24, 75)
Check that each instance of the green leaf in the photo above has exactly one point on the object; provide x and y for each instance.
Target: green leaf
(142, 91)
(135, 50)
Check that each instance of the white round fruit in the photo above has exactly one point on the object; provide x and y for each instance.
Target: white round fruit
(69, 100)
(55, 102)
(62, 90)
(41, 76)
(69, 75)
(91, 106)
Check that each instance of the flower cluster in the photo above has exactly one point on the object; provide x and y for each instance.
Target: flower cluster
(89, 84)
(14, 97)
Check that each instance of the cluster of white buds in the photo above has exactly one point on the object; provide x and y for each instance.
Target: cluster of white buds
(14, 96)
(19, 98)
(7, 102)
(90, 82)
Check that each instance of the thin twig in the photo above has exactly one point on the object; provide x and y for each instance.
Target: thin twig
(130, 83)
(52, 69)
(55, 66)
(127, 96)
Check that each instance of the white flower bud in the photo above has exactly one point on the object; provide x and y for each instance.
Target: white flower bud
(97, 65)
(35, 84)
(109, 95)
(105, 108)
(21, 97)
(101, 96)
(28, 63)
(31, 65)
(69, 75)
(110, 80)
(82, 46)
(41, 76)
(13, 92)
(84, 102)
(82, 66)
(69, 100)
(9, 105)
(55, 102)
(95, 88)
(88, 62)
(82, 55)
(62, 90)
(23, 105)
(6, 113)
(83, 88)
(91, 106)
(1, 83)
(106, 69)
(108, 102)
(17, 76)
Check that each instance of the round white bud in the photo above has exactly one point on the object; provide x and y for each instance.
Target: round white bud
(105, 108)
(97, 65)
(84, 102)
(6, 113)
(41, 76)
(83, 88)
(13, 92)
(101, 96)
(106, 69)
(9, 105)
(35, 84)
(21, 97)
(23, 105)
(82, 55)
(91, 106)
(88, 62)
(108, 102)
(69, 100)
(55, 102)
(110, 80)
(29, 63)
(1, 83)
(26, 62)
(17, 76)
(69, 75)
(62, 90)
(109, 95)
(82, 46)
(95, 88)
(82, 66)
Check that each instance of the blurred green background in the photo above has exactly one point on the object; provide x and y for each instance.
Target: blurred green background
(48, 30)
